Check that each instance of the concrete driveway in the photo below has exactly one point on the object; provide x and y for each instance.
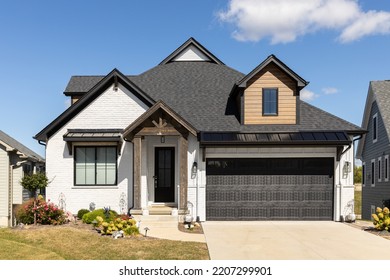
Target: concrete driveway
(295, 240)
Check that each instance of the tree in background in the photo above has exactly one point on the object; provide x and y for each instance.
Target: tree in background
(357, 174)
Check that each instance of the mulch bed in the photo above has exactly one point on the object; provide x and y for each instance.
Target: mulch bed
(194, 230)
(382, 233)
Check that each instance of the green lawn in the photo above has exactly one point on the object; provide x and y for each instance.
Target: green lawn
(79, 243)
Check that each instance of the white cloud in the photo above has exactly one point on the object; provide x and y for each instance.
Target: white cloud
(307, 95)
(285, 20)
(330, 90)
(370, 23)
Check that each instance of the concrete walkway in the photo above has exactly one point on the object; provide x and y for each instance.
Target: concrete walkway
(295, 240)
(166, 227)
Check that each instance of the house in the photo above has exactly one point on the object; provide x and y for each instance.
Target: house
(201, 138)
(15, 161)
(374, 148)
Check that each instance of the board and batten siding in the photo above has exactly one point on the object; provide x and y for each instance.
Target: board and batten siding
(373, 195)
(4, 186)
(112, 109)
(270, 77)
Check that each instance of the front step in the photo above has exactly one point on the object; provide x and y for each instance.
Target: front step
(160, 210)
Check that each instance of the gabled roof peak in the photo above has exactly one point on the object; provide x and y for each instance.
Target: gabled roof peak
(191, 50)
(272, 58)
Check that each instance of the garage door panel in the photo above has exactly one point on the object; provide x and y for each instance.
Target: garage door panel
(269, 197)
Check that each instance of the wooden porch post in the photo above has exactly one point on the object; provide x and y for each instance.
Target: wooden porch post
(183, 148)
(137, 173)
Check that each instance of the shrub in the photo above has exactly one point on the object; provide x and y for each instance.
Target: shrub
(88, 218)
(382, 219)
(81, 213)
(46, 212)
(127, 225)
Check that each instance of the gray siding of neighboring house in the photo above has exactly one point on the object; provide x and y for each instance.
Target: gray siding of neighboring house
(4, 195)
(373, 195)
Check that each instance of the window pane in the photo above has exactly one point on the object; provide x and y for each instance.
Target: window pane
(101, 166)
(90, 166)
(270, 101)
(80, 166)
(111, 165)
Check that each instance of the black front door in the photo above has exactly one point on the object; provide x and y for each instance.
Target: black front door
(164, 174)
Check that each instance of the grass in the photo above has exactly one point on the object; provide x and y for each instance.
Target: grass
(79, 243)
(358, 202)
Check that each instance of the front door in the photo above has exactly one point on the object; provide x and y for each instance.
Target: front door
(164, 174)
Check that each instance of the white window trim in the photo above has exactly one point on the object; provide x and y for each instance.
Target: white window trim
(380, 167)
(374, 140)
(372, 170)
(364, 172)
(386, 168)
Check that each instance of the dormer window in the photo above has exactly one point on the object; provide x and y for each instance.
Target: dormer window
(270, 101)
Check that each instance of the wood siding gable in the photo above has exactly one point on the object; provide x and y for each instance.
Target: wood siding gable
(271, 76)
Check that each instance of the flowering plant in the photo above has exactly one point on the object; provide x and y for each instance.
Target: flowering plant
(382, 218)
(47, 213)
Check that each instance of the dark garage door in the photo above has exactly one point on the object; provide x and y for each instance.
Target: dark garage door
(269, 189)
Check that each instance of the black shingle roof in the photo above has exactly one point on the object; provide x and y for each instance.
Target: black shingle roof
(199, 92)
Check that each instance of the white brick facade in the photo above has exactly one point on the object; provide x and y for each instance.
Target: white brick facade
(112, 109)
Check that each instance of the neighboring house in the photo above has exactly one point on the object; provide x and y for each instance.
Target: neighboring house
(200, 137)
(374, 148)
(15, 161)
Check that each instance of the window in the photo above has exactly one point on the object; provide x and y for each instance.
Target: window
(363, 174)
(386, 168)
(95, 166)
(375, 128)
(380, 169)
(373, 173)
(270, 102)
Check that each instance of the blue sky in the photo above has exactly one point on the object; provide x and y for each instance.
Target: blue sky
(337, 45)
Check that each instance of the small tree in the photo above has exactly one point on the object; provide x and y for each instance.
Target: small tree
(33, 183)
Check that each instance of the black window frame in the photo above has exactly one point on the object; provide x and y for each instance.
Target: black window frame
(373, 173)
(363, 174)
(95, 147)
(276, 101)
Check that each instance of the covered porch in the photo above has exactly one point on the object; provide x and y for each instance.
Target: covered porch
(160, 167)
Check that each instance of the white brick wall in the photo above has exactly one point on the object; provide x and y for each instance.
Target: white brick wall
(112, 109)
